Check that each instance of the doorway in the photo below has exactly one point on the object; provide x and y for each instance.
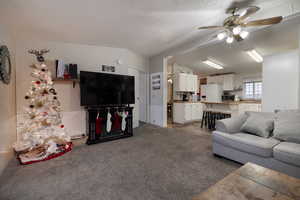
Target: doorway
(136, 106)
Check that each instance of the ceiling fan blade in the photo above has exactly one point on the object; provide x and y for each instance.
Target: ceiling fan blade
(249, 11)
(210, 27)
(263, 22)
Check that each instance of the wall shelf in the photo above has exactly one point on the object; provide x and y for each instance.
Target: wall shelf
(74, 81)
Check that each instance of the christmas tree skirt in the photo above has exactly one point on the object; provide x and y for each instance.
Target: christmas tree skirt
(35, 157)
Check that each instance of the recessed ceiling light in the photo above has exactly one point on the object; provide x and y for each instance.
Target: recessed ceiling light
(255, 56)
(213, 64)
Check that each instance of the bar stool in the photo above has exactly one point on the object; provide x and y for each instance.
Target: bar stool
(210, 117)
(206, 118)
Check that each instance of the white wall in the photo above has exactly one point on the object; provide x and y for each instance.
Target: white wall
(7, 98)
(158, 100)
(88, 58)
(281, 74)
(299, 61)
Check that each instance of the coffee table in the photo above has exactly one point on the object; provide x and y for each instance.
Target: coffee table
(254, 182)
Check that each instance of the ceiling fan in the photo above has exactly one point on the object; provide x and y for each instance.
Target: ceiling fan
(232, 28)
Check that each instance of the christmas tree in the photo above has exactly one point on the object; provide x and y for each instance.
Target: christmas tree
(42, 135)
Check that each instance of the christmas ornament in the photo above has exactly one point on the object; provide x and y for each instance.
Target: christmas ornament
(42, 135)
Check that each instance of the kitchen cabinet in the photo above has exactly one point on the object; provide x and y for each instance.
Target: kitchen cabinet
(197, 111)
(227, 81)
(180, 83)
(235, 108)
(185, 82)
(187, 112)
(243, 107)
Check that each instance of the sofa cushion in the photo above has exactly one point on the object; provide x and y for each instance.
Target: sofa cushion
(287, 127)
(247, 143)
(231, 125)
(258, 125)
(287, 152)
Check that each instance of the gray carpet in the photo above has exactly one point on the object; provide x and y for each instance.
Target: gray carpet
(155, 164)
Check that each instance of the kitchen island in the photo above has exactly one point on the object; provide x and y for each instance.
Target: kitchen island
(188, 111)
(233, 107)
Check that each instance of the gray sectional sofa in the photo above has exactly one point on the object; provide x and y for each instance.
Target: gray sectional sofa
(277, 151)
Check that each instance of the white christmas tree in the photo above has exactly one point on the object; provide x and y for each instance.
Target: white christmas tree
(41, 132)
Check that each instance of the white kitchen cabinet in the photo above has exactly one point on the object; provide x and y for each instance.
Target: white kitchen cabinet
(192, 83)
(185, 82)
(187, 112)
(180, 83)
(228, 82)
(243, 107)
(197, 111)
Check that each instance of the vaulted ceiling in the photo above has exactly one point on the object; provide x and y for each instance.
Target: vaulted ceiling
(267, 41)
(148, 27)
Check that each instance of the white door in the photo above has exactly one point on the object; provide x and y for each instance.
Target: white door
(143, 96)
(135, 73)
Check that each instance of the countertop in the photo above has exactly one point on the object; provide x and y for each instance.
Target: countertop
(233, 102)
(179, 101)
(223, 102)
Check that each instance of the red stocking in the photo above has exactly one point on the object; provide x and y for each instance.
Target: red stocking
(117, 122)
(99, 125)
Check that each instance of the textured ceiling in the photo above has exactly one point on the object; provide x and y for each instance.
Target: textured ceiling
(147, 27)
(271, 40)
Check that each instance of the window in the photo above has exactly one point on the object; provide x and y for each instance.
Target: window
(253, 90)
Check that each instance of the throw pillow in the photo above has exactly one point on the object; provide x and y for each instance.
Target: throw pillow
(287, 126)
(258, 125)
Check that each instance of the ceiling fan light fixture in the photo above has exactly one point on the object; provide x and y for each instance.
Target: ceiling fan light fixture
(221, 36)
(213, 64)
(255, 55)
(236, 30)
(229, 40)
(244, 34)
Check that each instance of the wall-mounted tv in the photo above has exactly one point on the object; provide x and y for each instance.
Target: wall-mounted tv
(98, 89)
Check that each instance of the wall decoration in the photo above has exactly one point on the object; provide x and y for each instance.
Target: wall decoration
(156, 82)
(106, 68)
(5, 64)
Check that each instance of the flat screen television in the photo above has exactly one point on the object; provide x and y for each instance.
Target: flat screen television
(98, 89)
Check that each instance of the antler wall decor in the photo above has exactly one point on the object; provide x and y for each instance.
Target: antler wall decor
(39, 54)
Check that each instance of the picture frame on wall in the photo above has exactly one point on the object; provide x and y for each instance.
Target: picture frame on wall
(107, 68)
